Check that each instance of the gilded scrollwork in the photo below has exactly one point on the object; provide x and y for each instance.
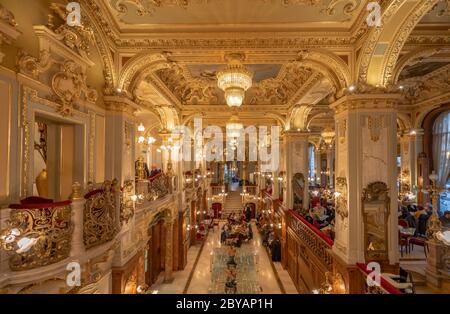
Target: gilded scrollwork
(100, 215)
(341, 200)
(69, 84)
(75, 37)
(375, 124)
(126, 202)
(375, 205)
(158, 187)
(38, 236)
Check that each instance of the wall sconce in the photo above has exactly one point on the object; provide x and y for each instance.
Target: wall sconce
(279, 225)
(141, 127)
(188, 227)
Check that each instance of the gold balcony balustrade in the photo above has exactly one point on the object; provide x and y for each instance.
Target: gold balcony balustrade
(38, 234)
(153, 188)
(100, 223)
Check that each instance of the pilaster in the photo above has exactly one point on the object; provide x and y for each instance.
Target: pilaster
(366, 147)
(120, 139)
(296, 162)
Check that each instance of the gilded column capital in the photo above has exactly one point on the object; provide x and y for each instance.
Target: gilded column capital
(297, 135)
(367, 102)
(120, 105)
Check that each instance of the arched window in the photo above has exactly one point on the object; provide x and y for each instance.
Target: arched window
(441, 156)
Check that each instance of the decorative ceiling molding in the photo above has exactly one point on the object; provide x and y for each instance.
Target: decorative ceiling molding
(404, 17)
(149, 7)
(427, 87)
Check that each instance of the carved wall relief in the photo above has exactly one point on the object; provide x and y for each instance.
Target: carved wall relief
(375, 124)
(376, 209)
(68, 86)
(341, 198)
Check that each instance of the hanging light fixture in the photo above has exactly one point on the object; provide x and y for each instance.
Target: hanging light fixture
(234, 80)
(234, 127)
(328, 135)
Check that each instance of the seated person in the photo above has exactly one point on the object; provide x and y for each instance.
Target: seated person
(445, 219)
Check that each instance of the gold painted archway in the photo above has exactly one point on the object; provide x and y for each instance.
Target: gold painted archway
(383, 45)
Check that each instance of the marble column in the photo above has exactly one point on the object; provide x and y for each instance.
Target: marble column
(296, 150)
(120, 139)
(168, 269)
(330, 166)
(415, 148)
(317, 165)
(366, 148)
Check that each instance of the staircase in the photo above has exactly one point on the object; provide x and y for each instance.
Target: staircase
(233, 204)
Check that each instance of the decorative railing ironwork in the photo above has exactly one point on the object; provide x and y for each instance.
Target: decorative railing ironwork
(317, 242)
(100, 215)
(39, 233)
(158, 187)
(126, 202)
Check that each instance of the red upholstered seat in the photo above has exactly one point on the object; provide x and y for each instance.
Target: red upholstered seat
(403, 223)
(417, 241)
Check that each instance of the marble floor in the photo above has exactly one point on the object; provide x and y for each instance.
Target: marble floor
(201, 275)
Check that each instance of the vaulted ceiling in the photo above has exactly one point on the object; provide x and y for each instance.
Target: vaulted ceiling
(276, 37)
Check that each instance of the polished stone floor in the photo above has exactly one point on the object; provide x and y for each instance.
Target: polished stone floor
(201, 272)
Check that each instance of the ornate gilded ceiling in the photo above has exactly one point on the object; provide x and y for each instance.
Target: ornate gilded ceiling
(219, 14)
(301, 52)
(273, 84)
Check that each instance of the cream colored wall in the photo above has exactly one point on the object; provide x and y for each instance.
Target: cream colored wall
(67, 161)
(99, 148)
(5, 130)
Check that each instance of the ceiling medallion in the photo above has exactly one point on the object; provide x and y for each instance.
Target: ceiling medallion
(234, 80)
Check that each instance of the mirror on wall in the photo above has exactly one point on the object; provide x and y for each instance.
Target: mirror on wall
(376, 210)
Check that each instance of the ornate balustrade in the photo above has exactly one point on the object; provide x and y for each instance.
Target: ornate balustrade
(100, 216)
(316, 240)
(154, 188)
(39, 233)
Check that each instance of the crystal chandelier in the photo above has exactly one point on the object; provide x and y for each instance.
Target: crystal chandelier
(328, 135)
(234, 80)
(234, 127)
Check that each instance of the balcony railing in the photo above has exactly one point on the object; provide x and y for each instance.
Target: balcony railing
(154, 188)
(315, 239)
(39, 233)
(384, 288)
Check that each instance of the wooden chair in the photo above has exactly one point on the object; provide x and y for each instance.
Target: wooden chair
(417, 241)
(402, 242)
